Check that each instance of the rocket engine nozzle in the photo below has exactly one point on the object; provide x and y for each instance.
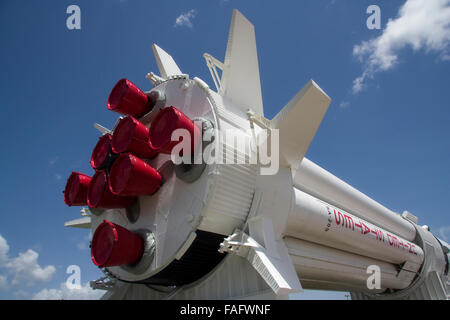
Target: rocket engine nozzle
(75, 193)
(99, 196)
(165, 123)
(102, 155)
(113, 245)
(126, 98)
(132, 136)
(131, 176)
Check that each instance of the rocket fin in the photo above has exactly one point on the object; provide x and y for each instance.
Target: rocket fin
(273, 263)
(166, 65)
(240, 78)
(83, 223)
(298, 122)
(101, 128)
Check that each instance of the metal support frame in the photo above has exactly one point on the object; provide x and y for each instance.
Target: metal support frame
(212, 64)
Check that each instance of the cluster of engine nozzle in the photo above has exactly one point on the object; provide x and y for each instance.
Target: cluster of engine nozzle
(121, 172)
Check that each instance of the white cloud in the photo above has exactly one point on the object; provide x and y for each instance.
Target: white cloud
(64, 293)
(444, 233)
(24, 268)
(344, 104)
(420, 24)
(184, 19)
(4, 249)
(3, 282)
(21, 294)
(84, 243)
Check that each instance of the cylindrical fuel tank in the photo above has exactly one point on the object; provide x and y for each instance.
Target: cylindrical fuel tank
(313, 179)
(319, 222)
(325, 268)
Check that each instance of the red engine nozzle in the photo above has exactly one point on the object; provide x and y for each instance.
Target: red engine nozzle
(75, 193)
(132, 136)
(102, 154)
(165, 123)
(99, 196)
(126, 98)
(113, 245)
(131, 176)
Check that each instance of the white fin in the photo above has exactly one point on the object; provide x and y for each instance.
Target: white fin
(83, 223)
(166, 65)
(298, 122)
(240, 78)
(101, 128)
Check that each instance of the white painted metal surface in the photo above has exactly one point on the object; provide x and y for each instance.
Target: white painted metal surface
(298, 122)
(234, 278)
(433, 280)
(319, 222)
(101, 128)
(240, 78)
(212, 64)
(311, 178)
(83, 223)
(325, 268)
(435, 287)
(232, 192)
(272, 262)
(166, 65)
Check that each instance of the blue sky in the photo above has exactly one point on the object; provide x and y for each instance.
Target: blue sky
(389, 137)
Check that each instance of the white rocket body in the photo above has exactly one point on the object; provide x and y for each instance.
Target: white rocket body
(299, 228)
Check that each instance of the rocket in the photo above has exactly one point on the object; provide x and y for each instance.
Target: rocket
(196, 195)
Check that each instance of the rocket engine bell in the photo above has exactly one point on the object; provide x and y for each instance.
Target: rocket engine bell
(216, 219)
